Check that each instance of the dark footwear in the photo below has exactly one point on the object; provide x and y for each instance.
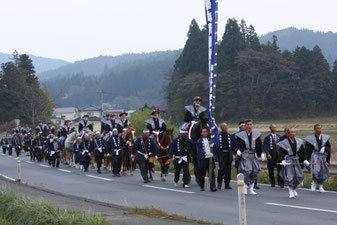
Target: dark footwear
(213, 189)
(256, 187)
(281, 185)
(272, 185)
(228, 187)
(98, 171)
(219, 186)
(118, 175)
(202, 189)
(146, 181)
(113, 175)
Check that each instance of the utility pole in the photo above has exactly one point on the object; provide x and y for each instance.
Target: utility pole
(101, 101)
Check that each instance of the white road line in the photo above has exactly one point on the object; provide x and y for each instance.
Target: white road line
(168, 189)
(29, 162)
(102, 178)
(8, 178)
(301, 207)
(67, 171)
(43, 165)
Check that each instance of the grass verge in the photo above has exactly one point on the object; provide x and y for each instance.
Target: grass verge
(15, 210)
(158, 213)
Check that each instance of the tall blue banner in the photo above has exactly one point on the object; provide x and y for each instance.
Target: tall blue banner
(211, 19)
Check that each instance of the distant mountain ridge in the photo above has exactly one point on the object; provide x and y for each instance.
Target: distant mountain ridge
(98, 65)
(292, 37)
(41, 64)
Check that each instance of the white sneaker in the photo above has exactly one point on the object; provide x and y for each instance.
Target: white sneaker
(321, 189)
(295, 192)
(291, 193)
(251, 190)
(245, 188)
(313, 186)
(176, 184)
(185, 186)
(81, 167)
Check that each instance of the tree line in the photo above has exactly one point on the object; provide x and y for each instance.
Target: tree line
(21, 96)
(254, 80)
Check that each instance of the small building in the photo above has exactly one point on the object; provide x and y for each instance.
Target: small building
(91, 111)
(67, 113)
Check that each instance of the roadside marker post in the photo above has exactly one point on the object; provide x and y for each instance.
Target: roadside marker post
(242, 200)
(19, 170)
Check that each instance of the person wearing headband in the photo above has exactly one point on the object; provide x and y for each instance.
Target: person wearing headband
(78, 163)
(115, 145)
(180, 150)
(96, 146)
(144, 148)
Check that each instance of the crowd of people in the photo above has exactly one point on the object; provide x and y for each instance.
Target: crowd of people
(287, 154)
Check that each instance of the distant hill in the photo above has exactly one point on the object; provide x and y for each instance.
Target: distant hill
(41, 64)
(128, 81)
(97, 65)
(291, 37)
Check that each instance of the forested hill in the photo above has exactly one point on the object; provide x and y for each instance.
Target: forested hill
(291, 37)
(99, 65)
(129, 81)
(40, 64)
(254, 80)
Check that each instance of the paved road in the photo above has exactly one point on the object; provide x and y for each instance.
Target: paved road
(271, 206)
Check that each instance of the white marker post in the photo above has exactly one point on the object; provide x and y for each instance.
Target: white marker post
(242, 200)
(19, 170)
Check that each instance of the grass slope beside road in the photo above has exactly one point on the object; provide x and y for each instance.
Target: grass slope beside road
(18, 210)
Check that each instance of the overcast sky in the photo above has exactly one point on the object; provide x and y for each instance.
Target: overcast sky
(78, 29)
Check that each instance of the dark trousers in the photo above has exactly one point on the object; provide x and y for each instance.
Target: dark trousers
(86, 161)
(203, 174)
(99, 157)
(10, 150)
(32, 154)
(4, 149)
(196, 169)
(38, 154)
(117, 163)
(49, 158)
(186, 172)
(17, 151)
(55, 158)
(144, 167)
(271, 167)
(225, 171)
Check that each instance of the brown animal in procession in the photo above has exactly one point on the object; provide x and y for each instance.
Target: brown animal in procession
(129, 138)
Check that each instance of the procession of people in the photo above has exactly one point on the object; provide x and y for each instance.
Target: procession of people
(288, 154)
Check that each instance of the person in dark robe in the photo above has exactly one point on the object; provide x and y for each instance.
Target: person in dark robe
(40, 127)
(204, 156)
(77, 156)
(226, 144)
(96, 146)
(144, 148)
(155, 125)
(85, 124)
(292, 153)
(249, 147)
(124, 122)
(85, 152)
(51, 128)
(195, 113)
(180, 150)
(115, 145)
(318, 151)
(270, 148)
(37, 146)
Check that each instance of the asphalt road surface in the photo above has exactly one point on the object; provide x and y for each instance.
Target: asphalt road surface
(270, 206)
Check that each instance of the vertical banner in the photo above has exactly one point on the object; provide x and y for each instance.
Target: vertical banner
(211, 9)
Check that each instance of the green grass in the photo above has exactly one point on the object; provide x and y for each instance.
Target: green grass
(15, 210)
(158, 213)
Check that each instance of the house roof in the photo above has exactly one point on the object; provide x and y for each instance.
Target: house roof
(64, 110)
(90, 108)
(91, 118)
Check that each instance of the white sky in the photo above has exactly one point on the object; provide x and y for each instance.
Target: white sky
(77, 29)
